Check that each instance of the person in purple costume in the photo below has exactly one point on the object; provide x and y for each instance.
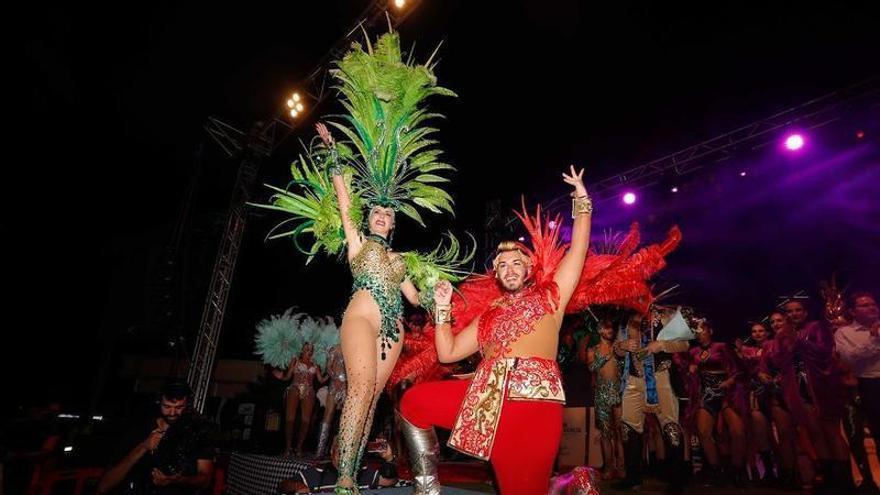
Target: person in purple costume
(718, 388)
(802, 355)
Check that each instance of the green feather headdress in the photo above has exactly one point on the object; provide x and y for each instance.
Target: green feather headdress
(388, 157)
(386, 125)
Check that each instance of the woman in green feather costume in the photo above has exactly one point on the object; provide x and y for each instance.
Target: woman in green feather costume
(386, 165)
(371, 332)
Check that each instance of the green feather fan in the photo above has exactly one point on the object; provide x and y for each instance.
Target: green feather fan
(443, 263)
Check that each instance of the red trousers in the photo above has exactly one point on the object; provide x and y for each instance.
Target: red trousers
(526, 440)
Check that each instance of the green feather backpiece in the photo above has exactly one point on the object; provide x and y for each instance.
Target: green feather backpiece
(443, 263)
(280, 338)
(310, 201)
(325, 337)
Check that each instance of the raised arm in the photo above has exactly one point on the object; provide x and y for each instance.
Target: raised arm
(451, 348)
(569, 272)
(352, 234)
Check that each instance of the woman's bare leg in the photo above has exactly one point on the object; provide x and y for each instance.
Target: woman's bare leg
(357, 341)
(737, 430)
(706, 430)
(308, 405)
(290, 418)
(787, 437)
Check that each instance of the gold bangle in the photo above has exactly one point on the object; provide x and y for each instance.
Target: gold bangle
(442, 314)
(581, 205)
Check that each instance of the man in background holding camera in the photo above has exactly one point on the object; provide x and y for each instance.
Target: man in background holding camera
(169, 454)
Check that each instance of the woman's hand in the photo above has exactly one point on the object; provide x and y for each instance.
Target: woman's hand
(325, 134)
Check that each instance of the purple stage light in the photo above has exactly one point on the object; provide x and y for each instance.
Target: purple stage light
(794, 142)
(629, 198)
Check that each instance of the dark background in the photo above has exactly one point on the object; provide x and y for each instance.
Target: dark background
(113, 103)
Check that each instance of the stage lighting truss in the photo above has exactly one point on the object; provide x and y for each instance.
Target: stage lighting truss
(812, 114)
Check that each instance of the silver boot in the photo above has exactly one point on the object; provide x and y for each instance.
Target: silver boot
(323, 438)
(424, 453)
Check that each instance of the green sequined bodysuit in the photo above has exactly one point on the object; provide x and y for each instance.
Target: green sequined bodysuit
(376, 271)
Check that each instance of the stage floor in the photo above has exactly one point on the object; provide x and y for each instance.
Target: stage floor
(446, 491)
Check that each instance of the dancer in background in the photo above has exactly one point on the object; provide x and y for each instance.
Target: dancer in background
(607, 368)
(720, 391)
(332, 397)
(296, 346)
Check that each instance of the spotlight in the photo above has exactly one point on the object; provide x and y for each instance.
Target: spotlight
(68, 448)
(400, 3)
(629, 198)
(522, 239)
(794, 142)
(294, 103)
(742, 174)
(860, 134)
(674, 189)
(551, 224)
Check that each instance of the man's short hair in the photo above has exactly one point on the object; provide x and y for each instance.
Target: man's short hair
(508, 246)
(176, 390)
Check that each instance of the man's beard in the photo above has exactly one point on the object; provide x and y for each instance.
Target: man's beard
(512, 290)
(170, 419)
(521, 284)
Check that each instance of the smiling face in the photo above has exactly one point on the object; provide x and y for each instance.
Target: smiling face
(777, 321)
(381, 221)
(512, 269)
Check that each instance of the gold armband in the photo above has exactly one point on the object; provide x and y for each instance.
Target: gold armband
(442, 314)
(581, 205)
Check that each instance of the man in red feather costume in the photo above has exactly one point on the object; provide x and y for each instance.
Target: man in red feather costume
(510, 412)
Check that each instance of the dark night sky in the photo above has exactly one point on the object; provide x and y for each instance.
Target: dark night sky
(114, 101)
